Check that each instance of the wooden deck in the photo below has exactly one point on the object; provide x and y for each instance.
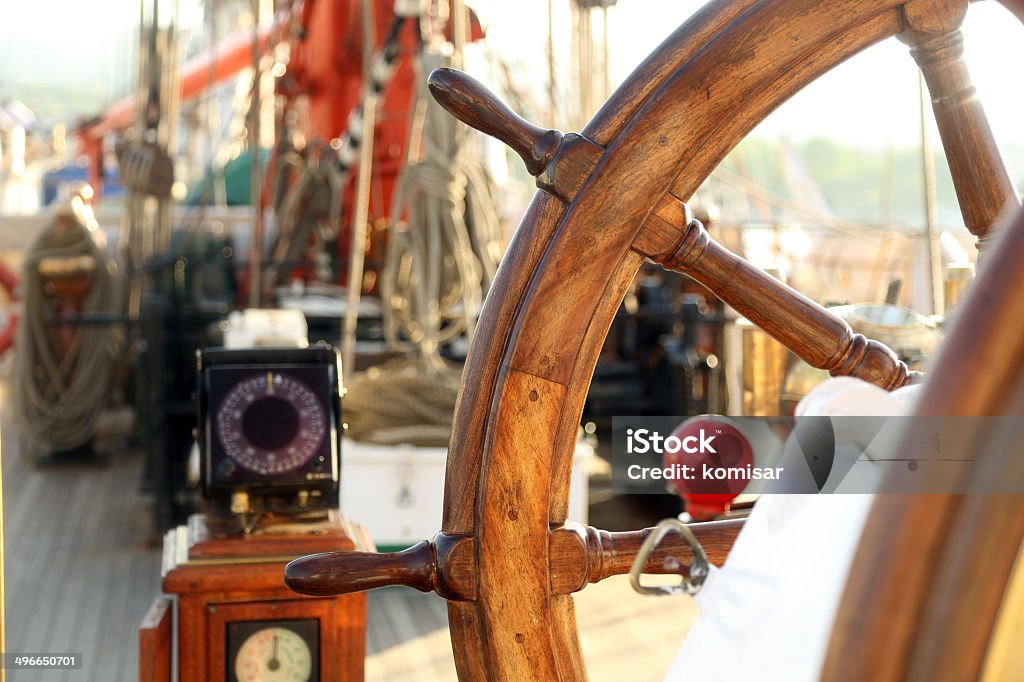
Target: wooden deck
(79, 572)
(80, 575)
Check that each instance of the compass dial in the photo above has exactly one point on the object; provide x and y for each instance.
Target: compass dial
(271, 423)
(274, 654)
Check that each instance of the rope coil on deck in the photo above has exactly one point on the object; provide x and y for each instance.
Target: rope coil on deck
(59, 399)
(403, 401)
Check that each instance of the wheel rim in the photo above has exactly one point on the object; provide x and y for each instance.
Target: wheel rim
(563, 277)
(505, 560)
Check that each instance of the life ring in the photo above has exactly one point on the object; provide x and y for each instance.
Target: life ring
(9, 282)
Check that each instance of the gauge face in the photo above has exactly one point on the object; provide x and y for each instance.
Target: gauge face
(274, 654)
(271, 423)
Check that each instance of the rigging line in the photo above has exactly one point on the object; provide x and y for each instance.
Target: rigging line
(357, 244)
(750, 187)
(930, 207)
(449, 206)
(393, 257)
(213, 124)
(255, 174)
(437, 265)
(193, 220)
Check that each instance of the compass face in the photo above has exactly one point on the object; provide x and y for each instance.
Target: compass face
(271, 423)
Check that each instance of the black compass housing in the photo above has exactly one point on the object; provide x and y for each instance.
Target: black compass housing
(270, 426)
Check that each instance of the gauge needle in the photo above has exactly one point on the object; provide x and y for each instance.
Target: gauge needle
(273, 664)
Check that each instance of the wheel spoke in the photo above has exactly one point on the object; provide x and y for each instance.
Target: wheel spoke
(819, 337)
(580, 555)
(448, 565)
(982, 182)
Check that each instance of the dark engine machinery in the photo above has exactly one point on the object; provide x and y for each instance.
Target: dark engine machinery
(663, 353)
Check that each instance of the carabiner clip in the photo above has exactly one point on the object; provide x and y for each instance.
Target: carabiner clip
(699, 567)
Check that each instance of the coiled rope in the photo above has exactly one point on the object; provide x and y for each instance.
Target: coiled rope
(443, 256)
(404, 401)
(439, 262)
(58, 399)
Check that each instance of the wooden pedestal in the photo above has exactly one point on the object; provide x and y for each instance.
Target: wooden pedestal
(223, 580)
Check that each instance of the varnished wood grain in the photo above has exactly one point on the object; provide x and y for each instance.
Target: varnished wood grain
(479, 380)
(342, 632)
(561, 163)
(331, 573)
(983, 185)
(882, 605)
(517, 622)
(573, 258)
(465, 626)
(303, 539)
(218, 570)
(468, 100)
(193, 640)
(446, 565)
(684, 126)
(803, 44)
(817, 336)
(563, 301)
(581, 555)
(238, 583)
(673, 52)
(924, 592)
(481, 373)
(155, 639)
(971, 577)
(574, 160)
(576, 283)
(565, 640)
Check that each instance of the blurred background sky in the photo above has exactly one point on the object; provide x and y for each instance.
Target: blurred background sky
(57, 55)
(856, 131)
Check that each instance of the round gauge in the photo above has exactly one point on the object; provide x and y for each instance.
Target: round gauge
(271, 423)
(274, 654)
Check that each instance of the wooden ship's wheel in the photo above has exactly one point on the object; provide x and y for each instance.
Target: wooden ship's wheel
(612, 196)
